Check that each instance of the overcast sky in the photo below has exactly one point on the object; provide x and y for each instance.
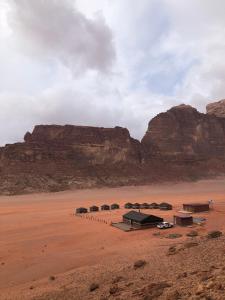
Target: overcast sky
(106, 62)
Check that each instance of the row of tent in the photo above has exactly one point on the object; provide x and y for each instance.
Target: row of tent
(162, 206)
(93, 208)
(128, 205)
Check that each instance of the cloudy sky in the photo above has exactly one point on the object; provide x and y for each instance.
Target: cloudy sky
(106, 62)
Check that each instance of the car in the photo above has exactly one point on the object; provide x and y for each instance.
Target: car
(164, 225)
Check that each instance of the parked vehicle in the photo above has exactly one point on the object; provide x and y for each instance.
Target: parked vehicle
(165, 225)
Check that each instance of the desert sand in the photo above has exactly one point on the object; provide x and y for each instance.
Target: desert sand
(41, 237)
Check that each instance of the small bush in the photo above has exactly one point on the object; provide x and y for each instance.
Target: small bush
(192, 233)
(93, 287)
(172, 250)
(174, 236)
(114, 289)
(139, 263)
(214, 234)
(52, 278)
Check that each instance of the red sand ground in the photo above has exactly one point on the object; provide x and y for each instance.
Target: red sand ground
(40, 236)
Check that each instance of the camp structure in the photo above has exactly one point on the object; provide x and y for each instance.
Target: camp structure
(165, 206)
(81, 210)
(140, 220)
(128, 205)
(144, 206)
(94, 208)
(153, 205)
(183, 220)
(115, 206)
(136, 206)
(196, 207)
(105, 207)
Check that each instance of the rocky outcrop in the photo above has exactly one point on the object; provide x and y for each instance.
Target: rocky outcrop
(58, 157)
(183, 134)
(180, 144)
(216, 109)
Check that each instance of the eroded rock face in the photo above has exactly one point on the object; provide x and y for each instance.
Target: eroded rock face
(80, 156)
(180, 144)
(183, 134)
(216, 108)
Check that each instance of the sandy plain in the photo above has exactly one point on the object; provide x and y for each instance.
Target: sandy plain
(40, 236)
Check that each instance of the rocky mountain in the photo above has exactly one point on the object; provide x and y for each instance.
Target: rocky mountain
(183, 134)
(216, 108)
(180, 144)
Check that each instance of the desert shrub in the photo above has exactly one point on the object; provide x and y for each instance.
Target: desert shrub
(94, 286)
(52, 278)
(172, 250)
(114, 289)
(214, 234)
(173, 235)
(139, 263)
(192, 233)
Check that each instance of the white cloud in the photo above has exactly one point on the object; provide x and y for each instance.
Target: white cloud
(167, 52)
(56, 30)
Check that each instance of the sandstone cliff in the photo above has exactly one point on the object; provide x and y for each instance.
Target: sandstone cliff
(180, 144)
(216, 108)
(58, 157)
(184, 134)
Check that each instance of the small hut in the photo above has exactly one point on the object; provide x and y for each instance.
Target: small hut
(128, 205)
(196, 207)
(165, 206)
(94, 208)
(144, 205)
(139, 220)
(153, 205)
(183, 220)
(136, 206)
(115, 206)
(81, 210)
(105, 207)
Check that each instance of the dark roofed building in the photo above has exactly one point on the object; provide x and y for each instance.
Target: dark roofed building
(94, 208)
(115, 206)
(81, 210)
(144, 205)
(165, 206)
(196, 207)
(105, 207)
(183, 220)
(153, 205)
(128, 205)
(140, 220)
(136, 205)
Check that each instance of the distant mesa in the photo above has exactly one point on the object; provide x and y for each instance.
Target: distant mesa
(179, 144)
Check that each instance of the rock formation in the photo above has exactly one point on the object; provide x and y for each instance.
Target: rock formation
(183, 134)
(180, 144)
(216, 108)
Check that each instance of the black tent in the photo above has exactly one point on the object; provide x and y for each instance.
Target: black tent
(154, 205)
(81, 210)
(165, 206)
(140, 220)
(94, 208)
(115, 206)
(145, 205)
(136, 206)
(105, 207)
(128, 205)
